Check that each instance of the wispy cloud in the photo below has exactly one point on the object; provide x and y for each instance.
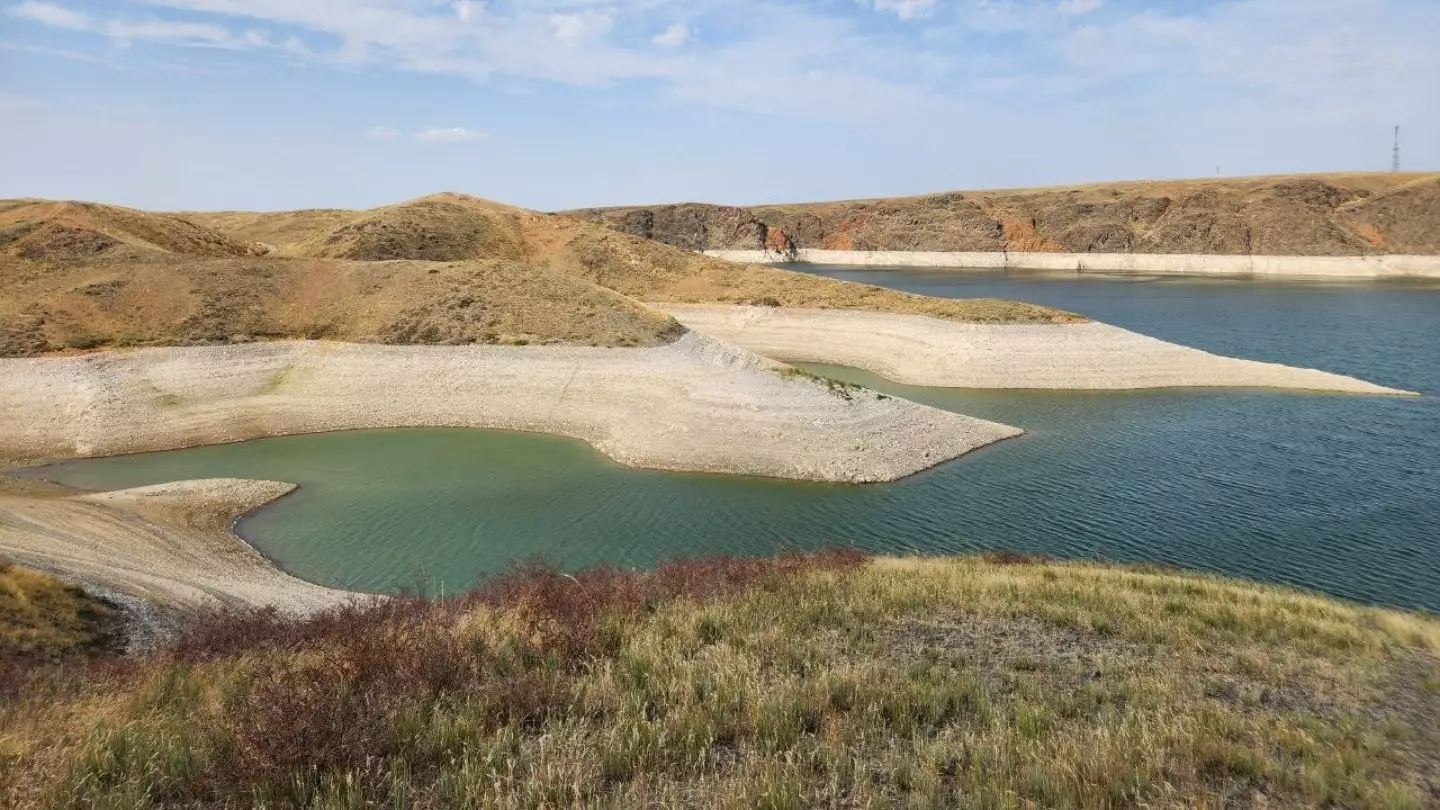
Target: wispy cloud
(831, 60)
(587, 25)
(172, 30)
(382, 133)
(448, 135)
(50, 14)
(1074, 8)
(906, 9)
(673, 37)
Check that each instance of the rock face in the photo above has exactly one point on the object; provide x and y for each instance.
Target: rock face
(692, 226)
(1313, 215)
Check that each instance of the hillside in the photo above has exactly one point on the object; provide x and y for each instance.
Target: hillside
(446, 269)
(451, 226)
(806, 681)
(1300, 215)
(47, 230)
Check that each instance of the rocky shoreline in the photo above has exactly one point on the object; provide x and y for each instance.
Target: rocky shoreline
(1335, 267)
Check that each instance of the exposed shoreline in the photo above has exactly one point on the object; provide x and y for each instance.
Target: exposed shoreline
(918, 350)
(1336, 267)
(696, 405)
(170, 546)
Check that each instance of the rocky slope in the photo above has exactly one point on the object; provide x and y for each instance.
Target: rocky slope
(1299, 215)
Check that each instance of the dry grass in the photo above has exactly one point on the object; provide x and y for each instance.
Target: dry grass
(162, 299)
(1000, 682)
(45, 619)
(42, 229)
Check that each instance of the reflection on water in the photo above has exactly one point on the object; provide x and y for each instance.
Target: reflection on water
(1330, 492)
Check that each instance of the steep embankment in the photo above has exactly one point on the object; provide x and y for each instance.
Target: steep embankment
(1307, 215)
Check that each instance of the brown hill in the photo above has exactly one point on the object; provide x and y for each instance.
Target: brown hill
(45, 230)
(181, 300)
(446, 269)
(1303, 215)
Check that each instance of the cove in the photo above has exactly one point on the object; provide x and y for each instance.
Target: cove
(1334, 493)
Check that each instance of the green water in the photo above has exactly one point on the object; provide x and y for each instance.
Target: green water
(1335, 493)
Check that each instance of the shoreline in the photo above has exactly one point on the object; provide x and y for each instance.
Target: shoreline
(697, 405)
(1179, 264)
(172, 546)
(923, 351)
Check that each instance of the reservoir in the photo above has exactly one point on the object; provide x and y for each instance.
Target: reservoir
(1336, 493)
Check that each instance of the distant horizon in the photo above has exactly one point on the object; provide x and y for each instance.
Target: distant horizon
(659, 203)
(561, 104)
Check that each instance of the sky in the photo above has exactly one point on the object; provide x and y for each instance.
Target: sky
(553, 104)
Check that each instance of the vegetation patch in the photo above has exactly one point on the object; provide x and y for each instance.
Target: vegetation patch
(844, 390)
(806, 680)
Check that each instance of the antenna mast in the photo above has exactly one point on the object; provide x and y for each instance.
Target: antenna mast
(1395, 160)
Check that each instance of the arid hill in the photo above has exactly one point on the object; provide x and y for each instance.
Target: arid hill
(46, 230)
(446, 269)
(1301, 215)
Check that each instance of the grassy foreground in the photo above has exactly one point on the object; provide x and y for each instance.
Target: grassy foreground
(801, 681)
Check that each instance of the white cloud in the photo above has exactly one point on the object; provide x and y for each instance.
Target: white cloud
(164, 29)
(449, 135)
(1074, 8)
(382, 133)
(581, 27)
(467, 10)
(50, 14)
(906, 9)
(674, 36)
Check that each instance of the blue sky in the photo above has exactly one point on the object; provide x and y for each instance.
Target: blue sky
(270, 104)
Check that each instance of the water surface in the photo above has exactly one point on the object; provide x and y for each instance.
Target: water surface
(1335, 493)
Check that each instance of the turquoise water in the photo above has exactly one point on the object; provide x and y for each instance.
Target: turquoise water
(1335, 493)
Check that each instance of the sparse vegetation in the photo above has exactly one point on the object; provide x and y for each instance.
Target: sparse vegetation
(812, 680)
(844, 390)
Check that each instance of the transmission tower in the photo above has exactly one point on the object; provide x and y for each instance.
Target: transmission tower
(1395, 158)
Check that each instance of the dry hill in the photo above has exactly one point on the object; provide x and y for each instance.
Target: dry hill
(1301, 215)
(442, 269)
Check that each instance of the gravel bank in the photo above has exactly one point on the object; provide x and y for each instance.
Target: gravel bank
(698, 404)
(168, 546)
(917, 350)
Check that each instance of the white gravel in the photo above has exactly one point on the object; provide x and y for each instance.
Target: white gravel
(698, 404)
(921, 350)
